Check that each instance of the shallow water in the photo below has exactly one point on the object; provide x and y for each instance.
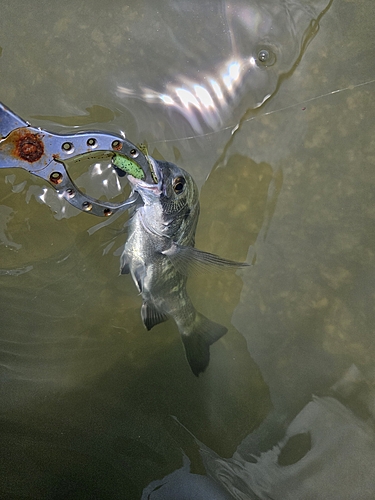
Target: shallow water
(95, 406)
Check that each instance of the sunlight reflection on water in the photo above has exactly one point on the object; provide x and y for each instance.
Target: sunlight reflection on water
(233, 63)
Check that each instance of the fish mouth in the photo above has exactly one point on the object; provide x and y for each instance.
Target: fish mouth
(139, 184)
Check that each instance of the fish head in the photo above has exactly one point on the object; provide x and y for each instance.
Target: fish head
(171, 202)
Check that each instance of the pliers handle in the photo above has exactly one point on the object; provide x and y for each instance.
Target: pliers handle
(43, 154)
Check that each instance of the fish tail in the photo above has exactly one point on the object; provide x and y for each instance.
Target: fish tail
(198, 340)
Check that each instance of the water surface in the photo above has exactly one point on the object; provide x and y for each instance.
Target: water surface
(93, 405)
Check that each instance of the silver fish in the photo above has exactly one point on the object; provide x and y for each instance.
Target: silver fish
(159, 253)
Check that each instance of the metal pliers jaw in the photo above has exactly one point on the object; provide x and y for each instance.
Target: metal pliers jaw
(43, 154)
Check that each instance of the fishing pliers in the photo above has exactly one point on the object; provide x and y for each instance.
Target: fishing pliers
(44, 154)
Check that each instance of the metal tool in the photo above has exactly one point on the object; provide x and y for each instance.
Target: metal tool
(43, 154)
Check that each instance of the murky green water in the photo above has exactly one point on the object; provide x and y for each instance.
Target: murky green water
(93, 405)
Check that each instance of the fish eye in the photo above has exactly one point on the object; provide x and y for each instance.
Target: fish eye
(179, 184)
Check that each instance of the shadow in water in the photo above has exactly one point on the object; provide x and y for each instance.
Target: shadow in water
(296, 466)
(95, 408)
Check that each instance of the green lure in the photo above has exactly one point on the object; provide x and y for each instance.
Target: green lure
(142, 147)
(130, 167)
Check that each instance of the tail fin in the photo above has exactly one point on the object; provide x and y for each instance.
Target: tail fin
(198, 340)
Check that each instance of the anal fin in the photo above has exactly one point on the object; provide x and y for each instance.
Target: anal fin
(151, 316)
(198, 340)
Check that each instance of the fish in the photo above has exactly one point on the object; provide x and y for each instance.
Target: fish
(160, 252)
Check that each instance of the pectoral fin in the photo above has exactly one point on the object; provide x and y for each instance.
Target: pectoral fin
(185, 259)
(151, 316)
